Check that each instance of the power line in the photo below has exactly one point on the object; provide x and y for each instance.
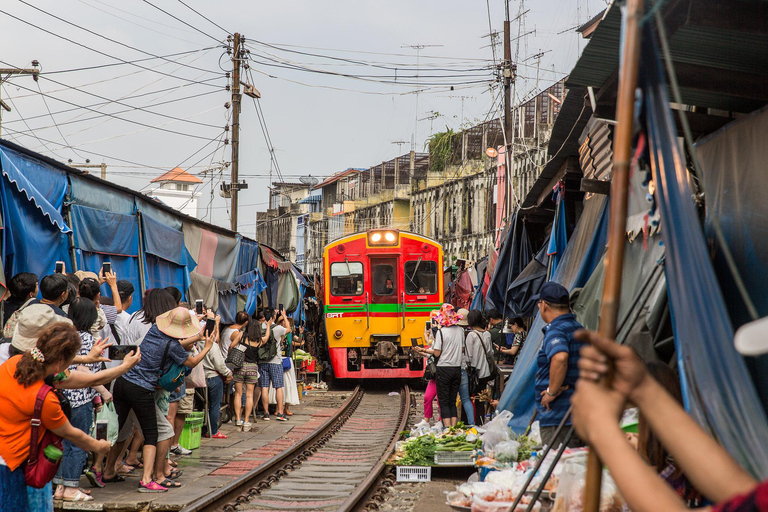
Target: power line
(105, 37)
(121, 118)
(97, 51)
(181, 21)
(162, 57)
(205, 17)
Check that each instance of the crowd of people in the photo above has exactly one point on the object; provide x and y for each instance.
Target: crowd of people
(55, 349)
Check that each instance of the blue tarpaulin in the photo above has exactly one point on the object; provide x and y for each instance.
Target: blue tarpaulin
(34, 231)
(578, 262)
(105, 236)
(717, 387)
(256, 285)
(167, 261)
(248, 259)
(515, 254)
(558, 237)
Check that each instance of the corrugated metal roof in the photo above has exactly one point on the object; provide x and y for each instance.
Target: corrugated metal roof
(719, 50)
(336, 177)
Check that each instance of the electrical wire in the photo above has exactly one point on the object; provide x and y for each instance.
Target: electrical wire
(103, 36)
(98, 51)
(181, 21)
(101, 66)
(205, 17)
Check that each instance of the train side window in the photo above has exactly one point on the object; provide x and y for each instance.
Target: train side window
(347, 278)
(420, 277)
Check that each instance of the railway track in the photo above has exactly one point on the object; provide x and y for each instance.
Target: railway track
(336, 468)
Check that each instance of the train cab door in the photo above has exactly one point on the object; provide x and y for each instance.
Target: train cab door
(385, 295)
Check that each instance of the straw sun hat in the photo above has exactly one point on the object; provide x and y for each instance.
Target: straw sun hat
(178, 323)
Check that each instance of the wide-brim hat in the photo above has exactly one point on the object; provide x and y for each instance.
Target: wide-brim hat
(447, 316)
(32, 320)
(463, 314)
(178, 323)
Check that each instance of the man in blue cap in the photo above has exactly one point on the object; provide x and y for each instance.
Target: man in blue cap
(556, 362)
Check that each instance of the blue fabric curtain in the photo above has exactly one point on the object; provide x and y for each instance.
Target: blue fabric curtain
(578, 262)
(105, 236)
(34, 231)
(558, 238)
(718, 389)
(249, 257)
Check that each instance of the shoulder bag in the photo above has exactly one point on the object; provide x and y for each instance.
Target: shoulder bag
(236, 356)
(174, 377)
(430, 370)
(39, 469)
(473, 376)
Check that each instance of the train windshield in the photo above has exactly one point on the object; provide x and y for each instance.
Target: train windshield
(384, 280)
(420, 277)
(347, 278)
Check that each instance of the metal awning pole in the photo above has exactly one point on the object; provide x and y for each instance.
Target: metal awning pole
(617, 227)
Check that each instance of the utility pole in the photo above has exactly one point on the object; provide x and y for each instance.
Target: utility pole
(236, 97)
(15, 71)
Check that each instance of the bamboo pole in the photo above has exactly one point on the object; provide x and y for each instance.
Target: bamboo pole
(614, 259)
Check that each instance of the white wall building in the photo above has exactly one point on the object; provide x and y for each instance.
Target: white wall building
(176, 188)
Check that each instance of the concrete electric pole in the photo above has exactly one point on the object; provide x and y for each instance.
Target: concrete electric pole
(236, 97)
(15, 71)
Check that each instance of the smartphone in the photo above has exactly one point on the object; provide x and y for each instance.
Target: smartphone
(210, 325)
(199, 306)
(118, 352)
(107, 267)
(414, 342)
(429, 325)
(279, 307)
(59, 267)
(101, 429)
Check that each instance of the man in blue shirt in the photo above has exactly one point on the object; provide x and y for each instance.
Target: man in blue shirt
(556, 362)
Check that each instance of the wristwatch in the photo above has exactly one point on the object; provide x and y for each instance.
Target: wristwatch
(550, 394)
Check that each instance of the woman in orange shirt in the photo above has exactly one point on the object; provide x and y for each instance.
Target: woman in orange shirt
(21, 377)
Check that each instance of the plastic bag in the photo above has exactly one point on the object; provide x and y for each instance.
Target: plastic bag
(497, 430)
(571, 490)
(535, 433)
(506, 451)
(107, 413)
(196, 377)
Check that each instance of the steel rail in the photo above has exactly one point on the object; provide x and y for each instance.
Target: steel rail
(237, 492)
(366, 490)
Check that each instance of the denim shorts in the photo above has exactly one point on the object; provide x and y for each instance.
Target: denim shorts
(270, 372)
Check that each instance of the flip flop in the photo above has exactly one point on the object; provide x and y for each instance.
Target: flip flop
(80, 496)
(115, 479)
(133, 466)
(170, 484)
(174, 474)
(95, 478)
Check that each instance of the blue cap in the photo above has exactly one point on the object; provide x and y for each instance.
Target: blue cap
(553, 293)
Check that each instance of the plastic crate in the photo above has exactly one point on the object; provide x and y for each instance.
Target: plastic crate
(193, 429)
(455, 458)
(414, 474)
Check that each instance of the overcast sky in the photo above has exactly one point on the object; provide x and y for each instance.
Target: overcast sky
(319, 123)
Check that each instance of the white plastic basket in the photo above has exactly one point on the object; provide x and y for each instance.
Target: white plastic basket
(414, 474)
(455, 458)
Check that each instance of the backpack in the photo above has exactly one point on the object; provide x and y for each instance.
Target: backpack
(10, 325)
(268, 351)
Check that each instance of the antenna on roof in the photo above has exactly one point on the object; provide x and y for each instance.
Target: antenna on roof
(309, 180)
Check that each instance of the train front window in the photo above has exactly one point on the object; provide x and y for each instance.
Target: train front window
(420, 277)
(347, 278)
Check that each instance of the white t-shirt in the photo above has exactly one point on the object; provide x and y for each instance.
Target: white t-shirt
(476, 351)
(5, 353)
(137, 329)
(450, 341)
(279, 332)
(121, 324)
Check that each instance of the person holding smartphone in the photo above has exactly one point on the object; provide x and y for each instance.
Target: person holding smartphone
(271, 371)
(430, 394)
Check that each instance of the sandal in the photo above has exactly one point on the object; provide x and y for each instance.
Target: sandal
(95, 478)
(133, 466)
(170, 484)
(80, 496)
(175, 473)
(112, 480)
(152, 486)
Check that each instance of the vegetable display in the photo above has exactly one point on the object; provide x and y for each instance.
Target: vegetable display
(420, 451)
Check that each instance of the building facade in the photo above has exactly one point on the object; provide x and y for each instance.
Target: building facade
(177, 189)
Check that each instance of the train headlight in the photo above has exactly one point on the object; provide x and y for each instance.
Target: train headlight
(383, 237)
(337, 334)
